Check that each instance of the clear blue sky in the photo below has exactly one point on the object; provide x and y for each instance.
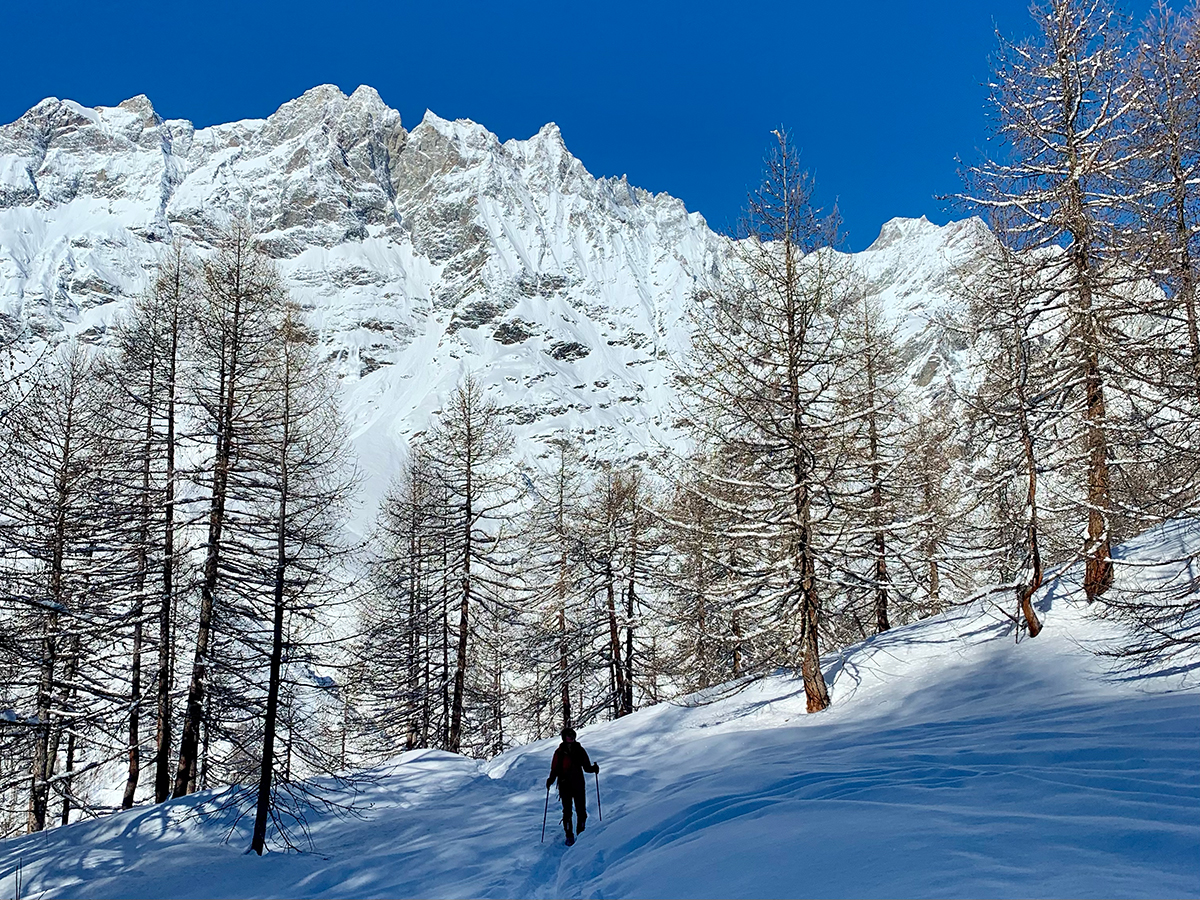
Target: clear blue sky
(881, 96)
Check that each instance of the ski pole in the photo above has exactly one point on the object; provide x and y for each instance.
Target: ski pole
(546, 811)
(599, 808)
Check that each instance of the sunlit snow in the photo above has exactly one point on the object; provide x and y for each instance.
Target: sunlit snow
(953, 762)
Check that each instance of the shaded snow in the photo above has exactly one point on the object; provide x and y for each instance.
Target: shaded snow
(954, 762)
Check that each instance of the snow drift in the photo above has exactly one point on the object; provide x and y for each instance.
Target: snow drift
(954, 762)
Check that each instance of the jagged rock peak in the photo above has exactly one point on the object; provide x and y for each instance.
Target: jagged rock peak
(142, 107)
(910, 232)
(547, 144)
(54, 118)
(550, 131)
(463, 133)
(420, 255)
(326, 105)
(366, 97)
(901, 228)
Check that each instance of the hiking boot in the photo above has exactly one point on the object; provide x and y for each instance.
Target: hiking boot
(582, 822)
(570, 838)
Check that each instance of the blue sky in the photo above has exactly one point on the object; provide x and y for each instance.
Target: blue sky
(880, 96)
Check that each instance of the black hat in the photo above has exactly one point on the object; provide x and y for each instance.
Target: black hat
(568, 733)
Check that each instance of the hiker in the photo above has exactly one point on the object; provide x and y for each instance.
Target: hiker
(570, 762)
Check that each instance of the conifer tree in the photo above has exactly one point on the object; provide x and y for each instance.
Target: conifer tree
(1062, 119)
(710, 621)
(65, 565)
(1017, 425)
(306, 481)
(1162, 180)
(242, 303)
(762, 386)
(555, 577)
(402, 658)
(151, 351)
(470, 447)
(870, 491)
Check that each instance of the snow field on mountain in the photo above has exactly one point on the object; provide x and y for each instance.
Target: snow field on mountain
(419, 255)
(953, 762)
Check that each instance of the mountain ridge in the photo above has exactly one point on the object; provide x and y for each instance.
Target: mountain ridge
(419, 255)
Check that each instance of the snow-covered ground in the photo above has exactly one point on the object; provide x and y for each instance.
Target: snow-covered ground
(954, 762)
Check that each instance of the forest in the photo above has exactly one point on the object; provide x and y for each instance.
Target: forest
(182, 606)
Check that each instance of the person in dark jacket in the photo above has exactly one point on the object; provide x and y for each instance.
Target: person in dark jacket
(567, 768)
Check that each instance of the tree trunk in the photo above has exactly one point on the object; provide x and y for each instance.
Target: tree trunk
(630, 599)
(934, 601)
(199, 779)
(1025, 593)
(1098, 576)
(166, 645)
(498, 692)
(816, 692)
(65, 819)
(427, 669)
(880, 545)
(263, 811)
(736, 626)
(460, 670)
(39, 793)
(65, 703)
(563, 666)
(135, 691)
(139, 605)
(185, 773)
(445, 647)
(631, 594)
(414, 637)
(614, 641)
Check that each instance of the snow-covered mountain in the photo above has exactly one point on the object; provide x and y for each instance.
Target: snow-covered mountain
(953, 763)
(421, 254)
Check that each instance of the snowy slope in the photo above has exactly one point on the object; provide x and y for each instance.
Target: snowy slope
(953, 762)
(420, 254)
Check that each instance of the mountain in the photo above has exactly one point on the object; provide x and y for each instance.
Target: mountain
(953, 762)
(420, 255)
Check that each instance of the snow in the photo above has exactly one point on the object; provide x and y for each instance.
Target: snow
(953, 762)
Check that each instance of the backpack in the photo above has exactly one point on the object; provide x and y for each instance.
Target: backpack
(572, 768)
